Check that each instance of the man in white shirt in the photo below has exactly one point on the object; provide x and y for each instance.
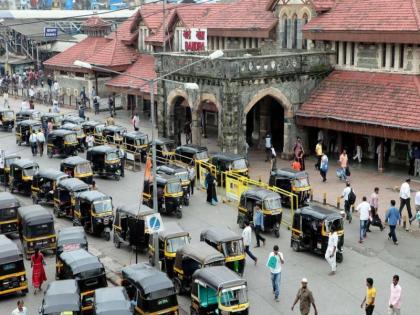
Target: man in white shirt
(6, 100)
(364, 211)
(247, 237)
(347, 205)
(274, 262)
(405, 193)
(41, 140)
(20, 309)
(268, 146)
(331, 252)
(394, 302)
(33, 142)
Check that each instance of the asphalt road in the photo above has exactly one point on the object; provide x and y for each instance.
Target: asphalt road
(341, 294)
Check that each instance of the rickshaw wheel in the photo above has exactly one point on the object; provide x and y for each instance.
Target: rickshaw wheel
(296, 246)
(151, 261)
(50, 154)
(178, 286)
(75, 153)
(19, 143)
(34, 200)
(179, 214)
(117, 243)
(193, 311)
(339, 258)
(56, 212)
(277, 233)
(107, 236)
(186, 202)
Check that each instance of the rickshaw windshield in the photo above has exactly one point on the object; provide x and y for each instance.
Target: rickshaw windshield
(173, 187)
(98, 129)
(40, 230)
(201, 155)
(70, 138)
(12, 267)
(168, 147)
(301, 182)
(182, 176)
(239, 164)
(233, 296)
(272, 203)
(233, 248)
(8, 114)
(83, 168)
(29, 171)
(79, 133)
(36, 115)
(173, 244)
(6, 214)
(110, 156)
(7, 162)
(103, 206)
(337, 223)
(57, 120)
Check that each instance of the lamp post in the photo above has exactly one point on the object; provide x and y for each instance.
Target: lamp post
(151, 82)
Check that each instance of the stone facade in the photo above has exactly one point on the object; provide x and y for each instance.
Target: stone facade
(235, 83)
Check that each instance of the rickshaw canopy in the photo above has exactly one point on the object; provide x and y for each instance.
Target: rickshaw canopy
(219, 234)
(81, 260)
(201, 252)
(260, 194)
(71, 235)
(190, 149)
(172, 230)
(135, 210)
(28, 122)
(110, 301)
(23, 164)
(9, 251)
(62, 295)
(136, 135)
(74, 161)
(34, 215)
(50, 174)
(7, 200)
(218, 277)
(319, 213)
(73, 184)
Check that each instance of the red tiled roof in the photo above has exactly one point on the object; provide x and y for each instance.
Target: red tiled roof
(368, 98)
(127, 30)
(114, 53)
(322, 5)
(95, 21)
(81, 51)
(369, 15)
(144, 67)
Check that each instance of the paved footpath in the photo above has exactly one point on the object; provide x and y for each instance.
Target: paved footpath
(338, 295)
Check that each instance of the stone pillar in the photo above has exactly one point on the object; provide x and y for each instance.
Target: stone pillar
(233, 137)
(264, 108)
(162, 118)
(299, 43)
(381, 157)
(196, 127)
(388, 57)
(279, 33)
(340, 53)
(289, 33)
(289, 135)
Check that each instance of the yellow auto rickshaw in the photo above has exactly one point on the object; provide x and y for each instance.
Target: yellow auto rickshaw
(43, 185)
(62, 142)
(80, 135)
(137, 143)
(54, 118)
(24, 129)
(8, 213)
(21, 174)
(65, 196)
(229, 162)
(77, 167)
(7, 119)
(5, 170)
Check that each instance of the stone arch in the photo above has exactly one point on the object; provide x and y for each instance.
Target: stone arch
(284, 12)
(173, 95)
(276, 94)
(196, 115)
(173, 124)
(303, 11)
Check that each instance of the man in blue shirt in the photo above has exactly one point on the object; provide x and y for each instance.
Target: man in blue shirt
(258, 224)
(392, 217)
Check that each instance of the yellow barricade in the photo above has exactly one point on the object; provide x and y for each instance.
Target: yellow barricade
(202, 168)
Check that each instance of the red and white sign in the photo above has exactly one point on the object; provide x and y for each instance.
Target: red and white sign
(194, 39)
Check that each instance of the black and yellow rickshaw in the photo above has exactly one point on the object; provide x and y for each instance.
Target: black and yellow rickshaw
(8, 213)
(190, 258)
(113, 300)
(229, 243)
(189, 153)
(87, 270)
(13, 274)
(24, 129)
(28, 114)
(94, 211)
(165, 150)
(89, 126)
(61, 297)
(54, 118)
(172, 238)
(77, 167)
(113, 134)
(270, 203)
(151, 289)
(7, 119)
(43, 185)
(98, 137)
(218, 290)
(62, 142)
(72, 119)
(21, 174)
(293, 181)
(105, 161)
(65, 196)
(36, 229)
(310, 230)
(80, 135)
(182, 174)
(235, 163)
(5, 170)
(136, 142)
(169, 193)
(129, 218)
(69, 238)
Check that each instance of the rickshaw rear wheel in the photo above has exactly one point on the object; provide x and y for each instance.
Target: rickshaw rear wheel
(107, 236)
(117, 242)
(151, 261)
(34, 200)
(178, 286)
(277, 233)
(339, 258)
(193, 311)
(50, 154)
(179, 214)
(296, 246)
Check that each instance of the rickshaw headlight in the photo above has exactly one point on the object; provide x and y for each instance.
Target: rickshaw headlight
(99, 220)
(22, 278)
(53, 240)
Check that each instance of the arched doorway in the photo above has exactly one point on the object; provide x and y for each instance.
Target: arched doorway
(181, 118)
(266, 115)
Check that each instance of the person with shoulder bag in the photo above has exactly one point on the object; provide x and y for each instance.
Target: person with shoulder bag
(274, 262)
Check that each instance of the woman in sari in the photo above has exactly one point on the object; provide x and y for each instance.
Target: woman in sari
(38, 271)
(211, 189)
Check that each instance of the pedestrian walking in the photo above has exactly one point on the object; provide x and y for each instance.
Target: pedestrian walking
(89, 141)
(274, 262)
(368, 302)
(268, 146)
(122, 156)
(24, 105)
(40, 137)
(111, 106)
(299, 153)
(33, 142)
(82, 110)
(392, 217)
(187, 131)
(306, 298)
(374, 219)
(191, 175)
(318, 153)
(417, 205)
(394, 303)
(364, 212)
(258, 224)
(343, 161)
(210, 183)
(110, 120)
(273, 159)
(20, 309)
(349, 199)
(331, 252)
(410, 158)
(6, 99)
(296, 165)
(247, 238)
(405, 193)
(323, 167)
(38, 271)
(359, 153)
(96, 105)
(50, 126)
(416, 156)
(136, 122)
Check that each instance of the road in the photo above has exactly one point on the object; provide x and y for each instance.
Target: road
(340, 294)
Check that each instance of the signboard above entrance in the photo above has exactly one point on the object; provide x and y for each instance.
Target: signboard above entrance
(194, 39)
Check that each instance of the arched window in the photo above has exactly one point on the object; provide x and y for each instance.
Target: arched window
(305, 20)
(285, 31)
(295, 31)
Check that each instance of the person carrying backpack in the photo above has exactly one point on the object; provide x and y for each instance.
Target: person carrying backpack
(274, 262)
(349, 199)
